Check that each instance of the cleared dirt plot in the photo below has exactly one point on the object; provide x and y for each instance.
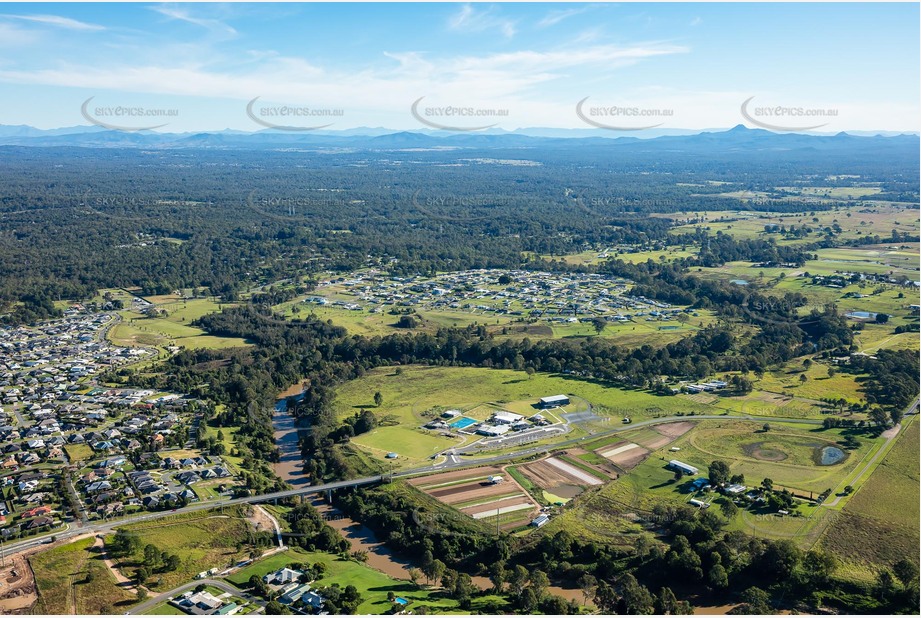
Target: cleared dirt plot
(471, 493)
(552, 479)
(448, 478)
(674, 430)
(626, 455)
(474, 490)
(509, 505)
(571, 470)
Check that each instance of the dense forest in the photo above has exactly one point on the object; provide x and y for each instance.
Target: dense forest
(73, 220)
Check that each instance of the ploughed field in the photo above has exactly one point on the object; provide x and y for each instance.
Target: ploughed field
(471, 493)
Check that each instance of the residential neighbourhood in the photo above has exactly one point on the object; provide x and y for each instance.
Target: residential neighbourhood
(549, 297)
(73, 447)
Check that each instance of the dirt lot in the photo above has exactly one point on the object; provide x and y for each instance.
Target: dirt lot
(490, 509)
(674, 430)
(450, 488)
(472, 491)
(552, 479)
(625, 454)
(17, 593)
(458, 475)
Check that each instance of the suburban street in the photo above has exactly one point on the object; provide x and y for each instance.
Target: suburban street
(169, 594)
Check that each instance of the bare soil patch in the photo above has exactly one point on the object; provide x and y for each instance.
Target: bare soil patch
(17, 595)
(549, 477)
(624, 454)
(470, 491)
(457, 475)
(499, 505)
(674, 430)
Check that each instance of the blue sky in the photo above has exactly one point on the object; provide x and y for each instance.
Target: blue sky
(685, 65)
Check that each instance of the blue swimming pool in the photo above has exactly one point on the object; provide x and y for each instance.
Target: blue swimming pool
(401, 601)
(462, 423)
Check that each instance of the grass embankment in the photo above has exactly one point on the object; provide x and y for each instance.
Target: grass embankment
(71, 579)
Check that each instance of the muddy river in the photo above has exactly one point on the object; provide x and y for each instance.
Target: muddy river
(286, 428)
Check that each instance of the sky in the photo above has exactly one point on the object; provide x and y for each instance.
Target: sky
(199, 67)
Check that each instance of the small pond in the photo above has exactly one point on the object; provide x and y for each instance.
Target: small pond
(830, 455)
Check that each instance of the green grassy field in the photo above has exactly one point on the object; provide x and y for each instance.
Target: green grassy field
(201, 540)
(609, 514)
(418, 389)
(72, 580)
(861, 219)
(173, 329)
(79, 452)
(879, 524)
(782, 454)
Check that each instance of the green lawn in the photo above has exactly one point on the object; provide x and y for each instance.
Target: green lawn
(165, 609)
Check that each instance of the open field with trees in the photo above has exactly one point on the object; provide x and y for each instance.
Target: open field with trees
(199, 541)
(170, 323)
(72, 579)
(408, 393)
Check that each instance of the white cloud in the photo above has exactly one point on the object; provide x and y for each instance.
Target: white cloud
(470, 19)
(181, 14)
(554, 17)
(696, 21)
(58, 21)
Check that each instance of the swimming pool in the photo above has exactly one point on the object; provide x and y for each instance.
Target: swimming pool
(462, 423)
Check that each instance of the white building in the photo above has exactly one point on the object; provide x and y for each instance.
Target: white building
(506, 418)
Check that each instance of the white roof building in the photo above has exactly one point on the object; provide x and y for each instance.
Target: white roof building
(506, 418)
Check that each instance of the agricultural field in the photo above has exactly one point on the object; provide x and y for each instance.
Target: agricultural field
(878, 525)
(171, 328)
(471, 493)
(71, 579)
(417, 390)
(566, 475)
(632, 448)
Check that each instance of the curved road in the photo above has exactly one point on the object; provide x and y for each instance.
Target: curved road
(169, 594)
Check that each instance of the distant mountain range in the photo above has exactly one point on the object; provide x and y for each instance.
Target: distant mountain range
(367, 138)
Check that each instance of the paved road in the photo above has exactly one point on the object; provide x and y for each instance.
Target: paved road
(452, 462)
(165, 596)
